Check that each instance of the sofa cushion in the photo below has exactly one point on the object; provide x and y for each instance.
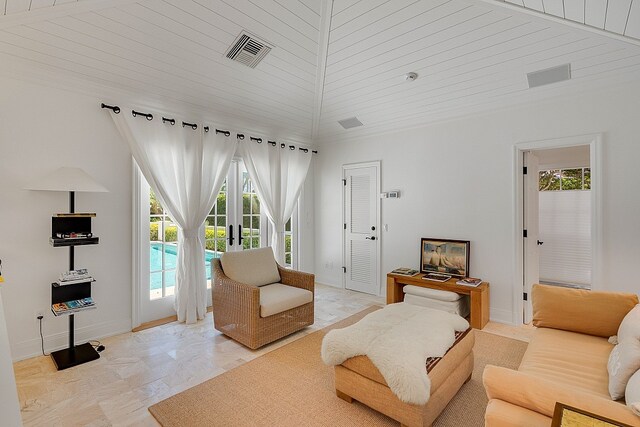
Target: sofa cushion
(630, 326)
(575, 360)
(577, 310)
(624, 361)
(256, 267)
(276, 298)
(431, 293)
(632, 393)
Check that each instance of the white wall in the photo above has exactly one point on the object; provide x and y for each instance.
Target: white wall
(43, 129)
(9, 405)
(457, 181)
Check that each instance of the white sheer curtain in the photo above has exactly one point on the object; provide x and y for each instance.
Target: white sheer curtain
(185, 168)
(277, 174)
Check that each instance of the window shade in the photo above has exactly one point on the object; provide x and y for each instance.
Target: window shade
(565, 229)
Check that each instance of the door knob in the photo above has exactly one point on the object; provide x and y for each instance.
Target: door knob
(540, 243)
(371, 238)
(373, 228)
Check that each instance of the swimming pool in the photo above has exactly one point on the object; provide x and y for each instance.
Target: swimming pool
(170, 259)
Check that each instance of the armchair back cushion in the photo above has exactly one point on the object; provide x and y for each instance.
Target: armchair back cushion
(582, 311)
(256, 267)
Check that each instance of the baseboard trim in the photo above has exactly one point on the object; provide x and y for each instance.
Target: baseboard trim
(31, 347)
(329, 284)
(499, 315)
(160, 322)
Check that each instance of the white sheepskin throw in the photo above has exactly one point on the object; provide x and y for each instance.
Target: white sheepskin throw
(398, 339)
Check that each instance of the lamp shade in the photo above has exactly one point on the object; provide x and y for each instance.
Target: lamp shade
(68, 179)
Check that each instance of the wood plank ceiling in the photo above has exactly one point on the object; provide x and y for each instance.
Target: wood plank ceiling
(470, 56)
(617, 16)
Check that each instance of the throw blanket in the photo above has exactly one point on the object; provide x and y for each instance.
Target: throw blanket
(398, 339)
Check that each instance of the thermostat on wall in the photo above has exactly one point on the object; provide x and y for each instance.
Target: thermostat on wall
(395, 194)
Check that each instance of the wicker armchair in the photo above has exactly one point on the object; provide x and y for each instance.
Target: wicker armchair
(237, 313)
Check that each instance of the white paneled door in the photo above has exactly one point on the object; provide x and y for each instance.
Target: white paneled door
(361, 228)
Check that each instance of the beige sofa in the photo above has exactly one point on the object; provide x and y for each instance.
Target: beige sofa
(566, 361)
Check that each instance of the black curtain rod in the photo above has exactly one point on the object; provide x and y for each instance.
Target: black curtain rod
(194, 126)
(148, 116)
(191, 125)
(113, 108)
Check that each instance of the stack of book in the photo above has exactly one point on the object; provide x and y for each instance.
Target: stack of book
(73, 306)
(74, 276)
(404, 271)
(469, 281)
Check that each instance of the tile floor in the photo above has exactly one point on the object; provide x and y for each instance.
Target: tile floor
(139, 369)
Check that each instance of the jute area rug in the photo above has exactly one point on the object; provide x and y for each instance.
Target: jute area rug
(290, 386)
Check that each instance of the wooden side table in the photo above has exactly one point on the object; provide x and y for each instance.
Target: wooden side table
(479, 296)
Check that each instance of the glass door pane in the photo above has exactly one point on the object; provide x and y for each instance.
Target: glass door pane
(251, 217)
(215, 231)
(163, 250)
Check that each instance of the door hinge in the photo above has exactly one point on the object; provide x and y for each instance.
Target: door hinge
(524, 170)
(344, 182)
(345, 226)
(524, 233)
(344, 270)
(525, 296)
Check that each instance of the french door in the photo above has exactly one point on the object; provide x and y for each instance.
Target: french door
(236, 222)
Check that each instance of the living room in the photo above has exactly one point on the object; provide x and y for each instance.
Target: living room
(447, 142)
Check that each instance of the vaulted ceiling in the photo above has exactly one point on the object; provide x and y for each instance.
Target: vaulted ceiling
(330, 60)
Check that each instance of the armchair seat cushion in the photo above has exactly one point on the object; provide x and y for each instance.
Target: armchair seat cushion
(277, 297)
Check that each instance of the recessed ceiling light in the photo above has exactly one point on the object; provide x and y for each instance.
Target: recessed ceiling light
(410, 76)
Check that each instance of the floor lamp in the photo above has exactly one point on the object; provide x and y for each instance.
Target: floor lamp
(70, 180)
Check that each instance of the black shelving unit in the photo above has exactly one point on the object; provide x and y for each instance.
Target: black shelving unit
(75, 354)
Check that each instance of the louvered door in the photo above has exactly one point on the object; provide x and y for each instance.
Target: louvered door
(361, 229)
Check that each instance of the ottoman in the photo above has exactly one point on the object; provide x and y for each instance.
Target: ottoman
(357, 378)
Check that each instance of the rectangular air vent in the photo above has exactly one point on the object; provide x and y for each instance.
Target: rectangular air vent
(352, 122)
(248, 50)
(548, 76)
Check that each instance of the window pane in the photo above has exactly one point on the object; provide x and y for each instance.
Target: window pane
(287, 260)
(587, 178)
(287, 226)
(255, 204)
(255, 224)
(246, 223)
(154, 204)
(549, 180)
(221, 221)
(287, 243)
(170, 233)
(572, 179)
(255, 242)
(155, 285)
(169, 280)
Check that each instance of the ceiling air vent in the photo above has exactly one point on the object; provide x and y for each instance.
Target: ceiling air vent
(548, 76)
(352, 122)
(248, 50)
